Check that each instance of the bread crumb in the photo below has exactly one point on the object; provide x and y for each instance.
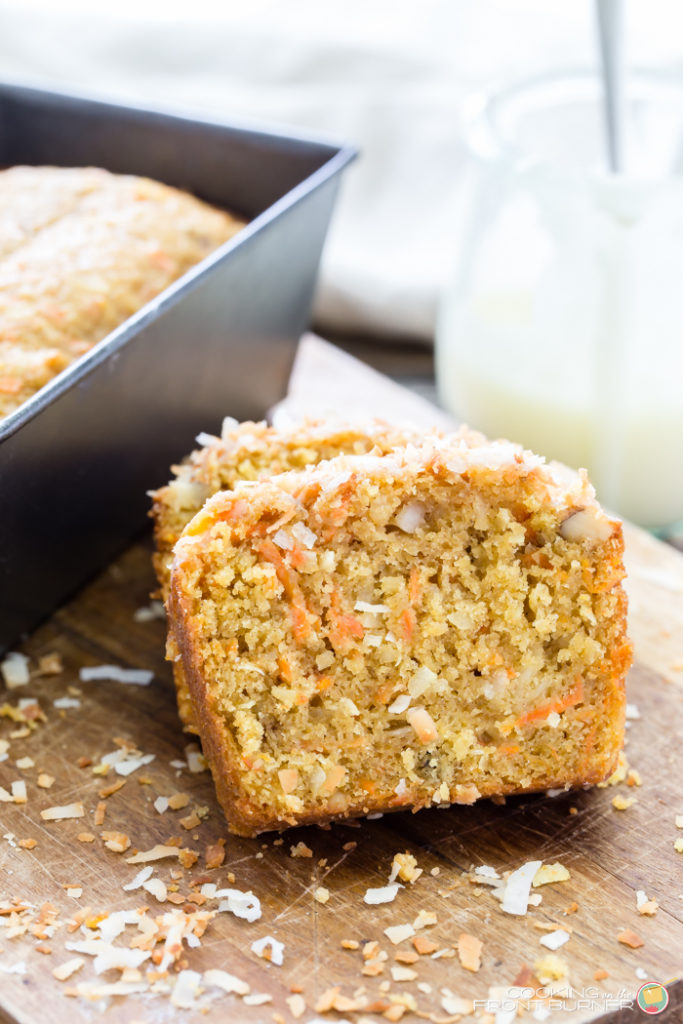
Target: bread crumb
(622, 803)
(215, 854)
(28, 844)
(321, 894)
(301, 850)
(178, 800)
(85, 837)
(404, 866)
(190, 821)
(600, 974)
(349, 944)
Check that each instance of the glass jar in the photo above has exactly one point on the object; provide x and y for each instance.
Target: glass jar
(563, 328)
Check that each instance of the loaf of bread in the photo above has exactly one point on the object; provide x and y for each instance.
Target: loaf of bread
(80, 251)
(252, 451)
(426, 627)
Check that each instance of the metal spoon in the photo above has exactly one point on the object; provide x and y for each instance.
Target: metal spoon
(610, 18)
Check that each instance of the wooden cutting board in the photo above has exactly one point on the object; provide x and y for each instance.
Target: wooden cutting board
(611, 854)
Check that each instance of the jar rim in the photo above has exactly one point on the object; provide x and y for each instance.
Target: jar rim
(489, 117)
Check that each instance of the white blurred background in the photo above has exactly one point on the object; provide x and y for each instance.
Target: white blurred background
(387, 75)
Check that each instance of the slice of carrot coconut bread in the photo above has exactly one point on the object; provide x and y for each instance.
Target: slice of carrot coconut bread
(251, 451)
(421, 628)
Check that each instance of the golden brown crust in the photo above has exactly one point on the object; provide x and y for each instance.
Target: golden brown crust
(81, 250)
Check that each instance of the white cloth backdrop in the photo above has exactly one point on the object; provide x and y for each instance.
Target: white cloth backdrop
(388, 75)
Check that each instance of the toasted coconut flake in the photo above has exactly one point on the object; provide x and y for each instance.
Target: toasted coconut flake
(424, 946)
(423, 725)
(68, 968)
(45, 781)
(139, 879)
(74, 810)
(469, 951)
(64, 703)
(154, 610)
(24, 763)
(196, 762)
(161, 804)
(28, 844)
(86, 837)
(383, 894)
(14, 669)
(19, 791)
(158, 852)
(321, 895)
(186, 989)
(555, 939)
(629, 938)
(270, 949)
(100, 812)
(131, 676)
(548, 873)
(227, 982)
(257, 999)
(411, 516)
(645, 906)
(399, 973)
(118, 842)
(517, 888)
(242, 904)
(108, 791)
(457, 1006)
(17, 968)
(297, 1005)
(399, 933)
(156, 888)
(131, 764)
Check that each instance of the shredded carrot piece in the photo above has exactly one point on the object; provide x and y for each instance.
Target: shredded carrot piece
(539, 714)
(343, 627)
(297, 557)
(324, 683)
(285, 669)
(301, 626)
(408, 621)
(508, 748)
(368, 785)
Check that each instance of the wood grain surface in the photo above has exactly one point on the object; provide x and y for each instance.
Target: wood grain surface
(611, 854)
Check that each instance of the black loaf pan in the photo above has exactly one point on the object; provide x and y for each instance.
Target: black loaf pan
(77, 459)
